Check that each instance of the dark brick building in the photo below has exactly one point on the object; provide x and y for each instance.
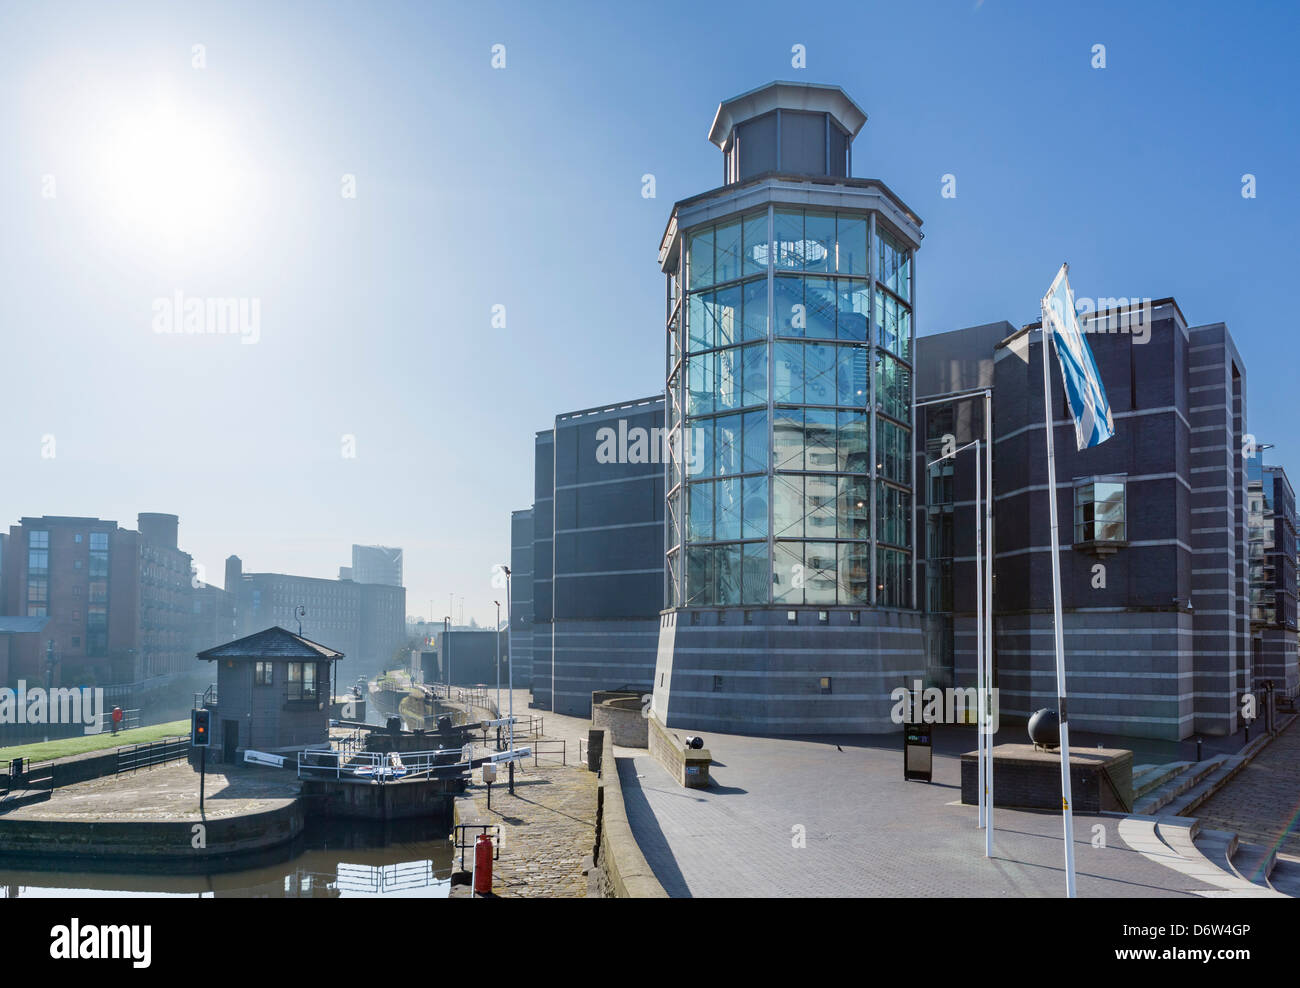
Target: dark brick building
(119, 602)
(1153, 524)
(593, 577)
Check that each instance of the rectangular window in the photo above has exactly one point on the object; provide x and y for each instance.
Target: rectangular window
(789, 240)
(262, 673)
(302, 681)
(699, 259)
(717, 684)
(727, 252)
(756, 251)
(1099, 510)
(851, 244)
(38, 574)
(893, 578)
(787, 573)
(755, 308)
(819, 242)
(756, 576)
(826, 684)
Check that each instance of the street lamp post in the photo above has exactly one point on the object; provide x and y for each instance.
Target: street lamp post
(511, 686)
(446, 652)
(498, 631)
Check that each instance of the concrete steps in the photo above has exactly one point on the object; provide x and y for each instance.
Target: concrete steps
(1218, 847)
(1181, 777)
(1149, 777)
(1187, 802)
(1255, 863)
(1286, 875)
(1204, 857)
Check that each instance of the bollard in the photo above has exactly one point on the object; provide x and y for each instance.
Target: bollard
(1198, 749)
(483, 865)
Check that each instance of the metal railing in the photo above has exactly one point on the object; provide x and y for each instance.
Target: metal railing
(527, 726)
(377, 766)
(31, 776)
(381, 879)
(460, 832)
(206, 698)
(151, 753)
(351, 742)
(563, 752)
(130, 720)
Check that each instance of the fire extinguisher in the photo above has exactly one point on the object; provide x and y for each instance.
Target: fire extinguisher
(483, 865)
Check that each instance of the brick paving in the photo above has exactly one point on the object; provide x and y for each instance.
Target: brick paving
(548, 828)
(1262, 801)
(790, 817)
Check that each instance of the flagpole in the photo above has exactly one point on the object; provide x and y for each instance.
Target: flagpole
(988, 611)
(981, 706)
(1062, 708)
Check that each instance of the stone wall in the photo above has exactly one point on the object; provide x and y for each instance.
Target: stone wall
(620, 715)
(620, 869)
(166, 843)
(1101, 779)
(690, 767)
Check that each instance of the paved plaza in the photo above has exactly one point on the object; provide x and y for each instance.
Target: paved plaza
(1262, 802)
(167, 792)
(789, 817)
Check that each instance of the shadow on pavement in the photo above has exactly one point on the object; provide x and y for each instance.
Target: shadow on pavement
(645, 828)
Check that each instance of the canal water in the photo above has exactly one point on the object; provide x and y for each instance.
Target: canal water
(335, 859)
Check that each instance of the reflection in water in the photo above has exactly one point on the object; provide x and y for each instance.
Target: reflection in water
(334, 859)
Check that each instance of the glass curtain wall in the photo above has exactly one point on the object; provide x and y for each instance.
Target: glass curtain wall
(771, 362)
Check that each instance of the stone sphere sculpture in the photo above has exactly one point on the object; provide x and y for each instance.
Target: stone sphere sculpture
(1045, 728)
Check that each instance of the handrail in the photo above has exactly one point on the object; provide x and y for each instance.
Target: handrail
(552, 741)
(382, 766)
(155, 753)
(462, 829)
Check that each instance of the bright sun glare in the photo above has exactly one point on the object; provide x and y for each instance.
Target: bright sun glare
(169, 176)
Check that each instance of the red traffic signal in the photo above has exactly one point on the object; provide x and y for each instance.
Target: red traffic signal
(200, 722)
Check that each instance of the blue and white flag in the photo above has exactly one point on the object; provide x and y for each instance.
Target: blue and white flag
(1083, 388)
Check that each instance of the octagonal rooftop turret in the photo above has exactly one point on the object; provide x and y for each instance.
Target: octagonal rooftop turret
(792, 127)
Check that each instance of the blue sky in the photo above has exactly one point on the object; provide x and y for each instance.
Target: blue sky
(521, 187)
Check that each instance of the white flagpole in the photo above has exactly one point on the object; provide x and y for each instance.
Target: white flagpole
(988, 612)
(1062, 708)
(979, 644)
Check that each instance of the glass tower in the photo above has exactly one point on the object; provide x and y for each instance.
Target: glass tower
(789, 368)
